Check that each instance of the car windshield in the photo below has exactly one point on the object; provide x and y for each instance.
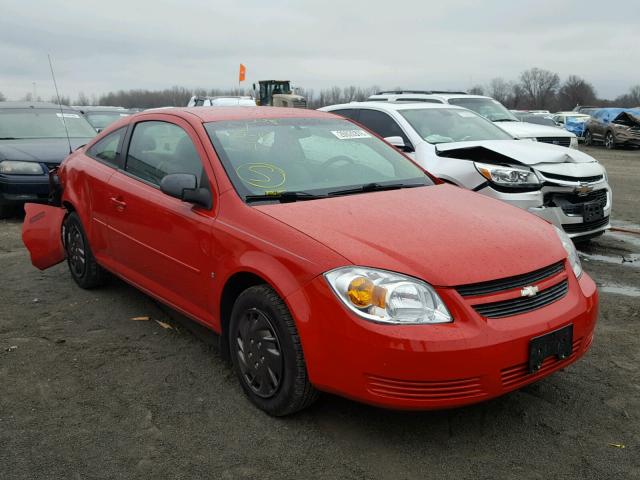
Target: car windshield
(308, 156)
(42, 123)
(487, 107)
(446, 125)
(538, 120)
(101, 120)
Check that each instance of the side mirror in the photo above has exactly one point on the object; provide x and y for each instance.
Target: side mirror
(398, 142)
(185, 187)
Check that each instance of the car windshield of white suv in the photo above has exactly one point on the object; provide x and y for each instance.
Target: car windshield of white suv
(446, 125)
(292, 159)
(487, 107)
(16, 124)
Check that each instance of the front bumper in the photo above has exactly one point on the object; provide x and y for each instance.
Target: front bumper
(23, 188)
(572, 223)
(433, 366)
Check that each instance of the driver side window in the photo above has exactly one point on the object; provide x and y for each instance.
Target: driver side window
(158, 149)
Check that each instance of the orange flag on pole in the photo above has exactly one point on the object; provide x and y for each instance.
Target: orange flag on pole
(243, 73)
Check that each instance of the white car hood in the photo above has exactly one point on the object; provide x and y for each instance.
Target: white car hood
(529, 130)
(521, 151)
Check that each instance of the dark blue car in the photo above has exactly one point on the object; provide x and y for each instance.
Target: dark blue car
(33, 141)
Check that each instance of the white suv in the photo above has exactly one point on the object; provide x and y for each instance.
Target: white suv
(566, 187)
(489, 108)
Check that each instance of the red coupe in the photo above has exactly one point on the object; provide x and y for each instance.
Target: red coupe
(324, 258)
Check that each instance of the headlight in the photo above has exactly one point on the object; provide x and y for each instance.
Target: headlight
(574, 142)
(21, 168)
(572, 254)
(507, 175)
(387, 297)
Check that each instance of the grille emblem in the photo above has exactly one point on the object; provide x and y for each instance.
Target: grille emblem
(529, 291)
(583, 189)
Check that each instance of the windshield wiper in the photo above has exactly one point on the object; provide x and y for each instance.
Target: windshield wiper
(505, 120)
(375, 187)
(283, 197)
(9, 138)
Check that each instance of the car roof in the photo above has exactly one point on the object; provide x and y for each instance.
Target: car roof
(219, 114)
(33, 105)
(395, 106)
(442, 96)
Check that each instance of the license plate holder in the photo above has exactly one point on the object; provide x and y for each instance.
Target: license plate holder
(558, 343)
(592, 212)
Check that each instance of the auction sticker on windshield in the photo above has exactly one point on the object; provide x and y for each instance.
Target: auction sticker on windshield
(68, 115)
(348, 134)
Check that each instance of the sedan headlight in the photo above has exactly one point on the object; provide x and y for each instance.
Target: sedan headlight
(21, 168)
(387, 297)
(508, 175)
(572, 253)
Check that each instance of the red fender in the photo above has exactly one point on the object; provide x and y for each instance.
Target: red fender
(42, 234)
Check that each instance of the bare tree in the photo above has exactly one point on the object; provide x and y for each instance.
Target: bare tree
(2, 98)
(477, 90)
(539, 86)
(576, 91)
(500, 90)
(82, 99)
(634, 95)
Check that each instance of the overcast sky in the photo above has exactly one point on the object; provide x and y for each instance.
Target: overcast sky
(448, 44)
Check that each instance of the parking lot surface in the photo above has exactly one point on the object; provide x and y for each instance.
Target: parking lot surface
(86, 392)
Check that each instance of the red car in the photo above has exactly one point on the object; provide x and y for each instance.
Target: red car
(324, 258)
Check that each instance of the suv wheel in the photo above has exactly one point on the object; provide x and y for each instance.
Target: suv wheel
(610, 141)
(82, 265)
(267, 354)
(588, 139)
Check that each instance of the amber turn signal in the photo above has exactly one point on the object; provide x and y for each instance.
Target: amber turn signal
(363, 293)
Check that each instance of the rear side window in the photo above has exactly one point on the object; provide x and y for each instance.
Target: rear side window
(351, 113)
(108, 149)
(382, 124)
(160, 148)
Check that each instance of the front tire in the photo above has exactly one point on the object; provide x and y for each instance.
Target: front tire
(267, 354)
(82, 265)
(610, 141)
(588, 139)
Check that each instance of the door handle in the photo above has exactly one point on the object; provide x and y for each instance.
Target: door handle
(119, 204)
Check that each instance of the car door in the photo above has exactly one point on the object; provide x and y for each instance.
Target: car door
(160, 243)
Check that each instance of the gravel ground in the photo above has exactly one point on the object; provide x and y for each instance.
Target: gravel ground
(86, 392)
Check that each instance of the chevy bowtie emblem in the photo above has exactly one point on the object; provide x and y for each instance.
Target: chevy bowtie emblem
(529, 291)
(583, 189)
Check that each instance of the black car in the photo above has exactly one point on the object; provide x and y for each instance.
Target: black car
(33, 141)
(101, 117)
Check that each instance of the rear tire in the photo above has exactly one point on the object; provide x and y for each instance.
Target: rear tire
(267, 354)
(82, 265)
(588, 139)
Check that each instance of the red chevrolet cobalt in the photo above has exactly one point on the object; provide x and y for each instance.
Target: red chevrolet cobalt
(324, 258)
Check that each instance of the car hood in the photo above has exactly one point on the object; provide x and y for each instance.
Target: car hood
(443, 234)
(46, 150)
(529, 130)
(520, 151)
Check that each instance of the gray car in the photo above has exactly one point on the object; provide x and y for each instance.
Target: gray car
(33, 140)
